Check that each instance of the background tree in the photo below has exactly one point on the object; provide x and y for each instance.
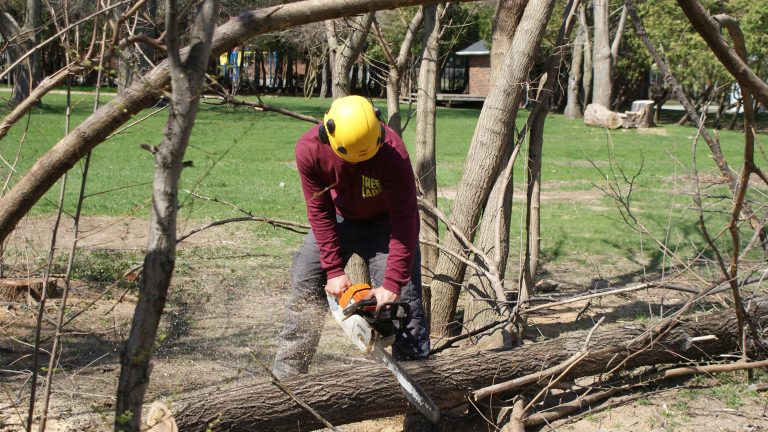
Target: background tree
(187, 78)
(492, 134)
(493, 237)
(345, 45)
(22, 39)
(136, 57)
(426, 167)
(573, 106)
(387, 36)
(603, 83)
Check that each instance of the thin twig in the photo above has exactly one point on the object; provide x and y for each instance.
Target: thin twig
(564, 409)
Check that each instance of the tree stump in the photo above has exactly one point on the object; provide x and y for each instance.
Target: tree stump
(16, 290)
(640, 115)
(598, 115)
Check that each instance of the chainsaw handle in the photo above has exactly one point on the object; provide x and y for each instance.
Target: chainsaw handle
(359, 306)
(393, 311)
(389, 312)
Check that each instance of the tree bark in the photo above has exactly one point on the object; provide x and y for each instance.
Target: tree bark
(573, 108)
(325, 76)
(365, 392)
(709, 30)
(92, 131)
(603, 85)
(616, 44)
(345, 53)
(187, 77)
(494, 129)
(28, 73)
(396, 70)
(493, 238)
(132, 60)
(426, 165)
(587, 78)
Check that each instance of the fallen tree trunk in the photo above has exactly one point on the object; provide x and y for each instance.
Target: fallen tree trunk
(369, 391)
(598, 115)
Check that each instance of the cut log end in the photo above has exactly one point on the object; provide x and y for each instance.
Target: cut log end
(17, 290)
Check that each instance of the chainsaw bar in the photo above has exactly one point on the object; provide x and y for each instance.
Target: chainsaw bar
(411, 389)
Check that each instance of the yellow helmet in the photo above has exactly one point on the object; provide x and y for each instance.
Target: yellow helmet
(353, 129)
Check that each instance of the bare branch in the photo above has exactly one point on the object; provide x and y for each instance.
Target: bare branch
(261, 106)
(56, 36)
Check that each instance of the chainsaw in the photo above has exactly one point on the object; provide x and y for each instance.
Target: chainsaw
(372, 331)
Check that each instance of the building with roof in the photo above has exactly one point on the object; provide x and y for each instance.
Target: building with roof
(478, 68)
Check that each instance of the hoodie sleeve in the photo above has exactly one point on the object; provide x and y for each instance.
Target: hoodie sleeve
(321, 211)
(400, 188)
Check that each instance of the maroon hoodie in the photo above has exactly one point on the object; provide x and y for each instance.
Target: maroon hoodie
(382, 187)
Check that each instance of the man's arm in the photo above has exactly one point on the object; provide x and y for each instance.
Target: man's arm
(400, 189)
(321, 212)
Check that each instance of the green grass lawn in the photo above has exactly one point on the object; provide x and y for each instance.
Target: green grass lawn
(246, 157)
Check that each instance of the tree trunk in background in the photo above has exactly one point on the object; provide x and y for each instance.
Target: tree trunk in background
(483, 309)
(615, 45)
(9, 30)
(601, 92)
(396, 71)
(494, 130)
(27, 74)
(573, 107)
(325, 76)
(187, 77)
(255, 404)
(426, 166)
(587, 78)
(535, 147)
(345, 53)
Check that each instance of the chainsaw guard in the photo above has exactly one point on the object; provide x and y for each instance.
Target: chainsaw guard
(355, 327)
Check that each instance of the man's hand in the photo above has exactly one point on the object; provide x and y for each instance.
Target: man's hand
(383, 296)
(336, 286)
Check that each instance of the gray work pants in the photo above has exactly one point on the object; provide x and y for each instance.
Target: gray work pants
(307, 306)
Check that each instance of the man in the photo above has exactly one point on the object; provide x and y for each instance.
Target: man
(360, 193)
